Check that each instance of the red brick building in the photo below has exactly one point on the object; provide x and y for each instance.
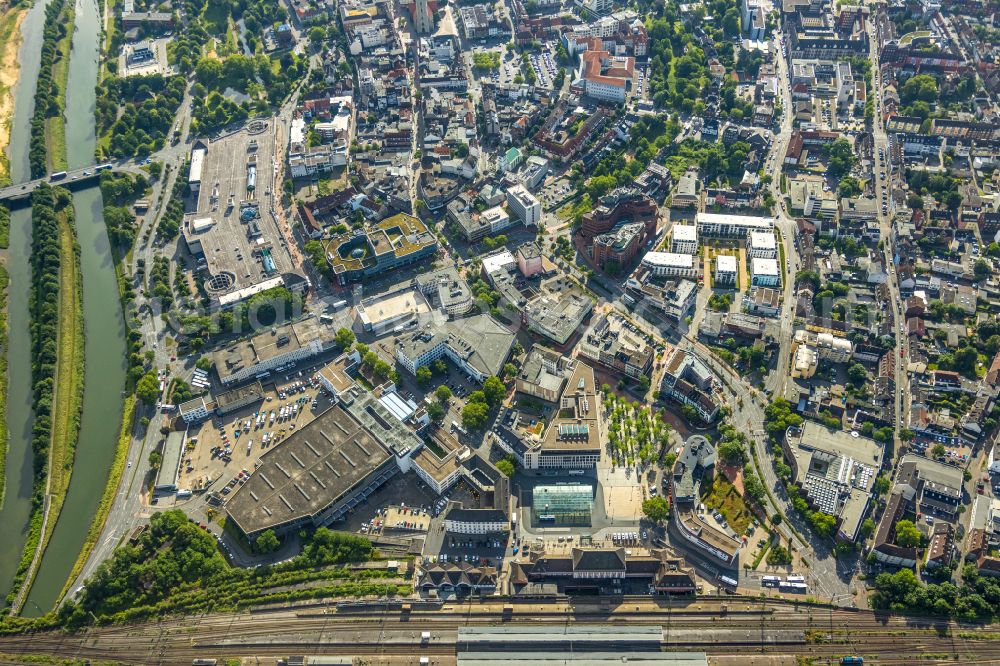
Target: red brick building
(621, 205)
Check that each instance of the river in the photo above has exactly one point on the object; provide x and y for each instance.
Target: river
(17, 503)
(105, 350)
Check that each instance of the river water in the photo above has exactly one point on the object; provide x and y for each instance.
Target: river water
(104, 325)
(17, 502)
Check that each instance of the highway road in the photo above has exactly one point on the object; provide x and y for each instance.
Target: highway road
(743, 628)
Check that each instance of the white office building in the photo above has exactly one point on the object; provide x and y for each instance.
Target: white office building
(764, 272)
(684, 239)
(195, 168)
(524, 205)
(497, 218)
(476, 521)
(195, 410)
(762, 244)
(732, 226)
(670, 264)
(725, 269)
(598, 7)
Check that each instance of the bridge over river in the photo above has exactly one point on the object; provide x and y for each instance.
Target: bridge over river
(16, 196)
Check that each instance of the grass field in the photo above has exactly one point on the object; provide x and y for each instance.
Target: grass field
(55, 127)
(4, 281)
(723, 497)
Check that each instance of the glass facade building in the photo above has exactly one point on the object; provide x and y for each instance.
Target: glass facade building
(561, 505)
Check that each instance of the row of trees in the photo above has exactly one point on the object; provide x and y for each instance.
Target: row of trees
(4, 226)
(159, 281)
(316, 252)
(47, 90)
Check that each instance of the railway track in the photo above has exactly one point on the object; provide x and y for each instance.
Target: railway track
(887, 650)
(744, 628)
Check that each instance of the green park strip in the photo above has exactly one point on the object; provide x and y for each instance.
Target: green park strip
(68, 405)
(114, 190)
(57, 369)
(55, 126)
(46, 91)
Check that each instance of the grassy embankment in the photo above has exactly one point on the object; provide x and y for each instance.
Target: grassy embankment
(10, 70)
(54, 33)
(55, 125)
(66, 409)
(4, 281)
(56, 308)
(108, 498)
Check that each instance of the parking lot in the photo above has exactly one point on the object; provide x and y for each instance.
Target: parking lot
(544, 66)
(509, 65)
(641, 78)
(224, 447)
(399, 491)
(441, 546)
(399, 518)
(555, 192)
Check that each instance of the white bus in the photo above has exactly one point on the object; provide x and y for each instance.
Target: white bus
(727, 581)
(796, 579)
(770, 581)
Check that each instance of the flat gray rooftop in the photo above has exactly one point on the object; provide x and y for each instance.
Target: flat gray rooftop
(310, 470)
(166, 477)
